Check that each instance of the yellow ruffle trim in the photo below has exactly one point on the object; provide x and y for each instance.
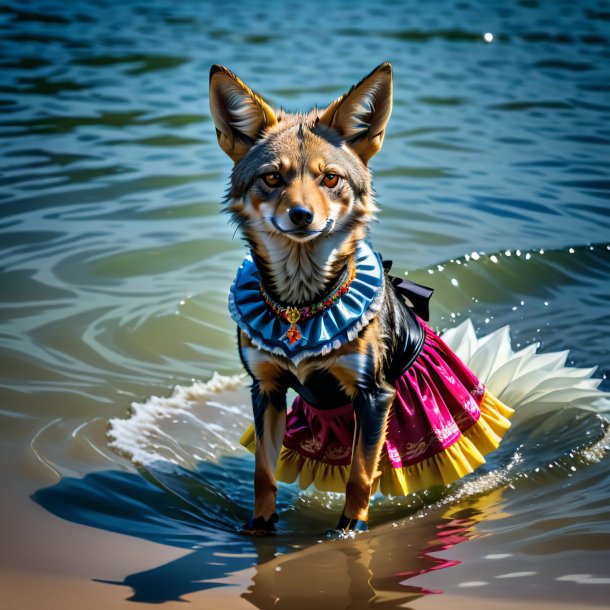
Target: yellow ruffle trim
(453, 463)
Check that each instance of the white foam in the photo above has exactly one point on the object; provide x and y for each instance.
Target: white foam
(144, 436)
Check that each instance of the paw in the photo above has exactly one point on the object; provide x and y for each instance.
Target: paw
(347, 528)
(259, 526)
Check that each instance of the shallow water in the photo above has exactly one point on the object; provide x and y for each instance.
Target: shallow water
(494, 186)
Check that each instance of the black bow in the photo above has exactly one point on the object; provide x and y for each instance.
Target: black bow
(416, 295)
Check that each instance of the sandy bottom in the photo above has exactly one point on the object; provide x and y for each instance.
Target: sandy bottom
(456, 602)
(48, 563)
(32, 590)
(21, 591)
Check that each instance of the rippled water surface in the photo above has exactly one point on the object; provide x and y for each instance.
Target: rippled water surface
(494, 186)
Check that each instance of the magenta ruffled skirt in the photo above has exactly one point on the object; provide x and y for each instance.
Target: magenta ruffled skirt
(441, 424)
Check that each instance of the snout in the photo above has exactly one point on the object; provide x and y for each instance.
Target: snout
(300, 216)
(301, 219)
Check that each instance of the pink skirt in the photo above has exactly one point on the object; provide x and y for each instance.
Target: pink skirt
(441, 424)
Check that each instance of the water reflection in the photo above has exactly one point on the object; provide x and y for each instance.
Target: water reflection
(288, 571)
(379, 568)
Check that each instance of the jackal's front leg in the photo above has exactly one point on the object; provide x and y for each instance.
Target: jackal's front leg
(372, 411)
(270, 424)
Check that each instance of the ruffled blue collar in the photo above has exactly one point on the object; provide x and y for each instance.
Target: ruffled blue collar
(322, 333)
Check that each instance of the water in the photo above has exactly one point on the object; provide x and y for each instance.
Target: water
(494, 184)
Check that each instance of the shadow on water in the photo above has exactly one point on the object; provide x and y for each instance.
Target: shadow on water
(126, 503)
(287, 571)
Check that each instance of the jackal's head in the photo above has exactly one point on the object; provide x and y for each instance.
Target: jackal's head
(300, 183)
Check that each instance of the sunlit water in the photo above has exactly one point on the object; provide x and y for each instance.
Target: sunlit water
(494, 186)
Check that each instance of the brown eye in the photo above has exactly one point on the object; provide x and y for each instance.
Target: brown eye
(272, 179)
(330, 180)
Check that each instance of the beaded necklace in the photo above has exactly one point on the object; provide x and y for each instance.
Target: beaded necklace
(292, 314)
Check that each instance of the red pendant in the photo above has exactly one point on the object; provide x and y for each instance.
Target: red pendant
(293, 333)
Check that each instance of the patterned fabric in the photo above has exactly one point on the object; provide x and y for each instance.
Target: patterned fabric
(321, 333)
(437, 401)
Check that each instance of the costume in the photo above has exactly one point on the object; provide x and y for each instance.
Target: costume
(441, 423)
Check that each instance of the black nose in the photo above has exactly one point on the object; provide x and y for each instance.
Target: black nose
(300, 216)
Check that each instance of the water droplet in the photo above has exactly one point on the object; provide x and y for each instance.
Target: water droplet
(516, 574)
(498, 556)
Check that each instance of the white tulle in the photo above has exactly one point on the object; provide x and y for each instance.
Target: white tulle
(530, 383)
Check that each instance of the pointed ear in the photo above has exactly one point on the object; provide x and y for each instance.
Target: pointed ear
(239, 114)
(360, 115)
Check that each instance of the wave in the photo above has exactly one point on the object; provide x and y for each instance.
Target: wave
(187, 443)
